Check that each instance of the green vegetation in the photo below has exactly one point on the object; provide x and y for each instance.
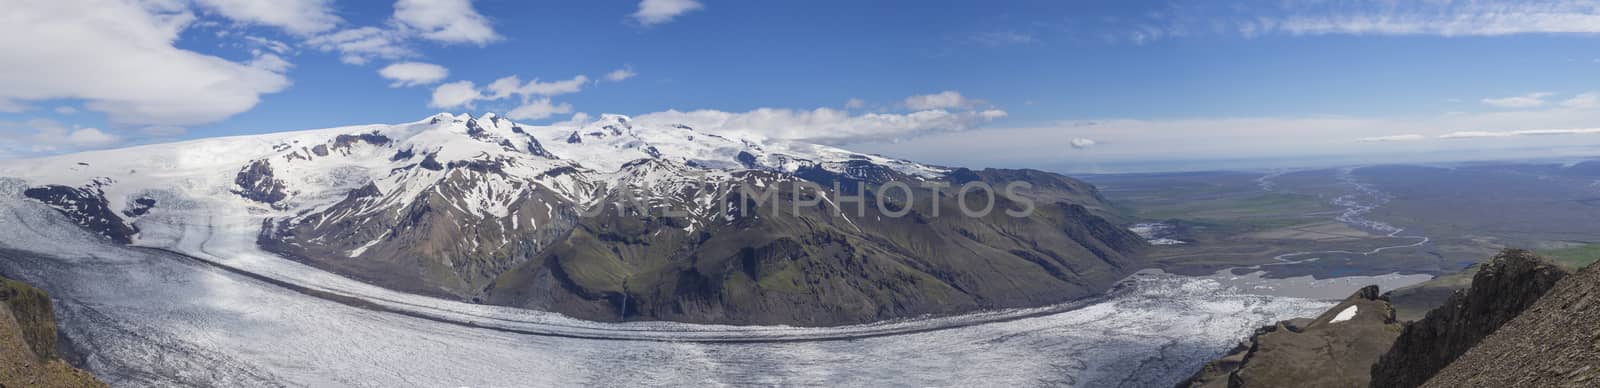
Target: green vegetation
(31, 308)
(1575, 257)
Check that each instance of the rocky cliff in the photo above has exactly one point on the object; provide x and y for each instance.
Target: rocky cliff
(28, 355)
(1502, 289)
(1517, 305)
(1553, 343)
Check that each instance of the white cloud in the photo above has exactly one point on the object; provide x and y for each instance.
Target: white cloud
(619, 75)
(1440, 18)
(269, 44)
(407, 74)
(455, 94)
(270, 62)
(1405, 137)
(1588, 100)
(1529, 100)
(512, 85)
(66, 110)
(300, 17)
(1528, 132)
(993, 114)
(534, 95)
(1082, 143)
(49, 135)
(119, 57)
(943, 100)
(652, 12)
(577, 120)
(539, 109)
(90, 137)
(855, 103)
(822, 125)
(447, 21)
(358, 46)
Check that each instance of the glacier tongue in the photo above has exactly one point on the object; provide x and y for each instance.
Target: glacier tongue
(123, 302)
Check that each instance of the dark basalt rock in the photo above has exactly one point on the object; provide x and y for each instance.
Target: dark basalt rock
(256, 183)
(652, 151)
(404, 154)
(475, 130)
(373, 138)
(1553, 343)
(962, 176)
(87, 207)
(538, 149)
(574, 138)
(558, 171)
(431, 162)
(483, 166)
(369, 191)
(747, 160)
(140, 207)
(1506, 286)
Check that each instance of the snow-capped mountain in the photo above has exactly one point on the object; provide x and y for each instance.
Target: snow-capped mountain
(488, 210)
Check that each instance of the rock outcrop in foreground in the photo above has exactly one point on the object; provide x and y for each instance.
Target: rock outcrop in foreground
(1524, 321)
(1506, 286)
(1333, 350)
(1553, 343)
(28, 342)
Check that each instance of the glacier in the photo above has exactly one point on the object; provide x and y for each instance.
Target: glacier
(220, 317)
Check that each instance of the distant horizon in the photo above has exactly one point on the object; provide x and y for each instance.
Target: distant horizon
(1527, 155)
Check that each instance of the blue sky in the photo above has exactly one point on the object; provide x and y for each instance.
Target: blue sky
(1068, 85)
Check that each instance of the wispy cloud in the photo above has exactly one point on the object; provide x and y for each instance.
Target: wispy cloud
(1003, 38)
(1448, 18)
(619, 75)
(652, 12)
(1529, 100)
(1443, 18)
(1406, 137)
(943, 100)
(1588, 100)
(1530, 132)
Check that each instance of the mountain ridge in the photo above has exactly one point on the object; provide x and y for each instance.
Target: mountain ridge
(487, 210)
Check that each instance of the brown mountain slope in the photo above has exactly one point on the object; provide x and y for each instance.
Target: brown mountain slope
(28, 342)
(1554, 343)
(1366, 351)
(1335, 349)
(1501, 290)
(828, 264)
